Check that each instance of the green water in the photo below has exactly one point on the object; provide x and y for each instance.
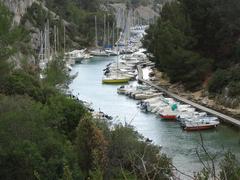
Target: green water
(178, 144)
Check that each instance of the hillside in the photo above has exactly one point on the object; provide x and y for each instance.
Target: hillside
(196, 44)
(76, 16)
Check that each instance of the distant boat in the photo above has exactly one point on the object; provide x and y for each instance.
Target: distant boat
(111, 52)
(75, 56)
(99, 53)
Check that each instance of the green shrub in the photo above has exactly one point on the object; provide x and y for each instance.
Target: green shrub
(219, 81)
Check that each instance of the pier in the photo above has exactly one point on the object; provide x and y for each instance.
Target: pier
(221, 116)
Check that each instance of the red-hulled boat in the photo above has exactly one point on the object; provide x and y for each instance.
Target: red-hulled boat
(168, 117)
(196, 126)
(168, 114)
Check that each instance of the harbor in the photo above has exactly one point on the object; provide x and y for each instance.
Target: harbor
(118, 82)
(176, 143)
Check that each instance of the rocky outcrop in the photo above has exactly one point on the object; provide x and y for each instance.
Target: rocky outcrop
(18, 8)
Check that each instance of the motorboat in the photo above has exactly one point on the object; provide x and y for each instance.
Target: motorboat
(200, 125)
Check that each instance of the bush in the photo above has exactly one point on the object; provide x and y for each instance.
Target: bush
(65, 114)
(20, 82)
(29, 148)
(225, 81)
(219, 81)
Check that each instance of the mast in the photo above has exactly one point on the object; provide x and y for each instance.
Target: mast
(113, 39)
(96, 34)
(108, 34)
(117, 59)
(55, 40)
(64, 38)
(41, 52)
(104, 31)
(45, 42)
(48, 42)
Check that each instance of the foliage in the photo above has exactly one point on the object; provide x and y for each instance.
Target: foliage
(65, 114)
(225, 81)
(91, 147)
(28, 146)
(171, 41)
(56, 73)
(192, 39)
(89, 5)
(230, 167)
(143, 160)
(219, 80)
(20, 82)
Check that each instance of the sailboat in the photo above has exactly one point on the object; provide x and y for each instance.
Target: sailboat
(116, 78)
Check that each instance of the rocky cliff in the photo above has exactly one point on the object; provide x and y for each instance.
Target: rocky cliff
(18, 8)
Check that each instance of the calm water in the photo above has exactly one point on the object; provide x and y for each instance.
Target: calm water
(178, 144)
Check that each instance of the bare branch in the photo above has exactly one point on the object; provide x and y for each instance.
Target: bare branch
(176, 169)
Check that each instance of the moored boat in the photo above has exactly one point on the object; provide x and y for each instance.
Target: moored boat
(115, 80)
(168, 117)
(99, 53)
(168, 114)
(198, 126)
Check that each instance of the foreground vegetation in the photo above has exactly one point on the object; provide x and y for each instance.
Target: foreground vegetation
(197, 43)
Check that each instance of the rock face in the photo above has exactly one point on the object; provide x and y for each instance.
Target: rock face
(18, 8)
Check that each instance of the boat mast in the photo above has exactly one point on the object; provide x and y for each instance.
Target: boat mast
(55, 40)
(64, 38)
(41, 52)
(58, 40)
(48, 42)
(96, 34)
(113, 36)
(108, 34)
(104, 33)
(117, 59)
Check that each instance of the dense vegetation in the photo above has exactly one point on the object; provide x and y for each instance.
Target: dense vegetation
(197, 43)
(46, 134)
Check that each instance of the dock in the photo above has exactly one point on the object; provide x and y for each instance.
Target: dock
(221, 116)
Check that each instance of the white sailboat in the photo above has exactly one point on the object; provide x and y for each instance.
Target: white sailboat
(116, 78)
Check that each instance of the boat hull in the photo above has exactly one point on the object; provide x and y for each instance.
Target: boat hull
(168, 117)
(199, 128)
(100, 54)
(115, 81)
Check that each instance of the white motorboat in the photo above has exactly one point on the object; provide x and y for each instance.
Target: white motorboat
(197, 125)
